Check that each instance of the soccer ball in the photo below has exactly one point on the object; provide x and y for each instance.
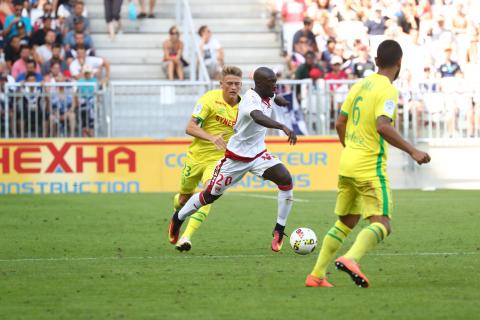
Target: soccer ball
(303, 240)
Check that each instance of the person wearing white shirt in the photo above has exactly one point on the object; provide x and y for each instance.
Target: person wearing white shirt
(212, 52)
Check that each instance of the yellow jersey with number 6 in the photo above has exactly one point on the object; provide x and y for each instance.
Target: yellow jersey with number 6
(216, 117)
(365, 152)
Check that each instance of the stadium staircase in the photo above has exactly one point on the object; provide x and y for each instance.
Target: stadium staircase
(240, 26)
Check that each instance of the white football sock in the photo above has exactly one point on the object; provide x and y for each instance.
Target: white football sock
(285, 202)
(192, 206)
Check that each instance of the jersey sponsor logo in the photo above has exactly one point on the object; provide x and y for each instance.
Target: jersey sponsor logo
(389, 107)
(225, 121)
(197, 109)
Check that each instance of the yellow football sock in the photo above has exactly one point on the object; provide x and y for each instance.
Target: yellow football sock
(331, 244)
(366, 240)
(176, 202)
(196, 221)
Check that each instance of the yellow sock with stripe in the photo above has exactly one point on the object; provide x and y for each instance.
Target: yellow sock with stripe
(366, 240)
(176, 203)
(332, 242)
(196, 221)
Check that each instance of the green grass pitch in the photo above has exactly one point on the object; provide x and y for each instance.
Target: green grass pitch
(107, 257)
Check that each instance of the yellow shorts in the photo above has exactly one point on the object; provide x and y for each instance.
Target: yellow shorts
(367, 197)
(194, 172)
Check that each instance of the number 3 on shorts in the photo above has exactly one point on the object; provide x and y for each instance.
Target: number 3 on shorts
(187, 170)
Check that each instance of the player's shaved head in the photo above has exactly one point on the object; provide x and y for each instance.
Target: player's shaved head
(262, 73)
(265, 81)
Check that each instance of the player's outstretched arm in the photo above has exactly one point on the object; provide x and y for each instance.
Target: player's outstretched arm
(341, 127)
(193, 129)
(281, 101)
(268, 122)
(391, 135)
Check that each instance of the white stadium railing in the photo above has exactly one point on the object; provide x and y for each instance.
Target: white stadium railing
(68, 109)
(443, 110)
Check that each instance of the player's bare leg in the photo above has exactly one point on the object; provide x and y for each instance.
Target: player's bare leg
(280, 175)
(367, 239)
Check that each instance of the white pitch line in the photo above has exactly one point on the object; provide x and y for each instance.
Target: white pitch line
(264, 196)
(222, 257)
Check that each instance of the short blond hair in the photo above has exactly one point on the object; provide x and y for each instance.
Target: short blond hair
(231, 71)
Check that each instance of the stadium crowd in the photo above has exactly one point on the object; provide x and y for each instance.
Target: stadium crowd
(49, 42)
(337, 40)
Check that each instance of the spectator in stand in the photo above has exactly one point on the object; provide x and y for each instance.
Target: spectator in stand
(22, 34)
(78, 10)
(376, 24)
(298, 56)
(56, 57)
(44, 52)
(293, 12)
(363, 65)
(69, 40)
(34, 121)
(31, 69)
(12, 51)
(323, 29)
(310, 69)
(338, 91)
(151, 8)
(86, 101)
(337, 73)
(38, 36)
(212, 52)
(66, 8)
(100, 66)
(56, 73)
(449, 68)
(62, 120)
(62, 115)
(71, 54)
(407, 18)
(112, 16)
(306, 32)
(20, 66)
(41, 12)
(12, 22)
(327, 53)
(172, 55)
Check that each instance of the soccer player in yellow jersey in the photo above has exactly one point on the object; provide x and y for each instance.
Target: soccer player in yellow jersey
(364, 126)
(211, 126)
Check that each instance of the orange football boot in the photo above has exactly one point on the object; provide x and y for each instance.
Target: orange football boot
(277, 240)
(313, 281)
(353, 270)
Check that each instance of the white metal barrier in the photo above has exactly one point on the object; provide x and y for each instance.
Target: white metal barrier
(68, 109)
(429, 110)
(197, 68)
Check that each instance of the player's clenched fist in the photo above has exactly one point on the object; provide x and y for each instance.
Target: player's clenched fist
(420, 157)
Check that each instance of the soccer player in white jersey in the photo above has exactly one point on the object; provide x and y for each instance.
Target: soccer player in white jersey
(246, 152)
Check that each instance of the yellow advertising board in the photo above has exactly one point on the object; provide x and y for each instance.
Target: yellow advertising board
(144, 165)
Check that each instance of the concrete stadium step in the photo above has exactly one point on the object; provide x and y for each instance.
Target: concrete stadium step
(251, 25)
(240, 9)
(127, 71)
(233, 56)
(137, 53)
(137, 71)
(161, 3)
(230, 40)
